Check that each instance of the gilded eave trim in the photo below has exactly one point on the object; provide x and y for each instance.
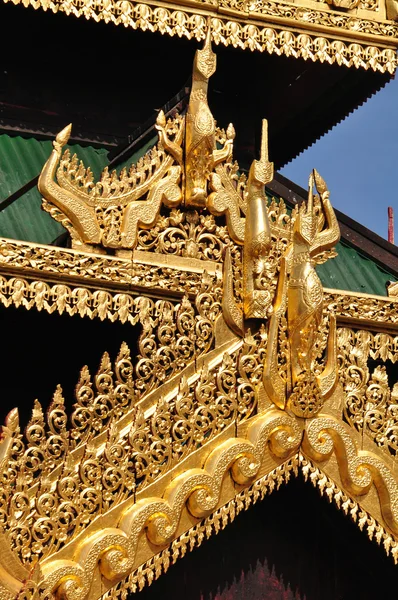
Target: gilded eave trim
(88, 284)
(206, 528)
(363, 311)
(54, 279)
(171, 521)
(276, 27)
(217, 521)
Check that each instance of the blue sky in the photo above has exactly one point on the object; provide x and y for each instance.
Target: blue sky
(359, 161)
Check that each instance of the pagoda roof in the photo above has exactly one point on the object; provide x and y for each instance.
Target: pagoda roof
(240, 371)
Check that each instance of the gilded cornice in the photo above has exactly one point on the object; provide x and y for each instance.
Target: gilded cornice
(246, 369)
(65, 280)
(363, 310)
(30, 277)
(360, 34)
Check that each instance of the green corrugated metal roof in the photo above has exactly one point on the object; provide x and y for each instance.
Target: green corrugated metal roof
(352, 271)
(22, 159)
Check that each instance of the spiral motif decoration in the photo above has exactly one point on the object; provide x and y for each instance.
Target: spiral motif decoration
(359, 470)
(197, 490)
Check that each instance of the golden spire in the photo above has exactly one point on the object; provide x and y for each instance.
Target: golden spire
(200, 140)
(257, 297)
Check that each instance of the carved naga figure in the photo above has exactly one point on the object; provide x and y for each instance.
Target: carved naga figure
(302, 295)
(108, 214)
(201, 154)
(257, 295)
(257, 292)
(305, 292)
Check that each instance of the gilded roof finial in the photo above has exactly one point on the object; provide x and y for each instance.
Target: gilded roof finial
(315, 231)
(200, 128)
(310, 203)
(205, 60)
(257, 295)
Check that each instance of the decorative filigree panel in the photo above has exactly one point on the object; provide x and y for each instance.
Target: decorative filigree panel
(45, 262)
(186, 234)
(371, 403)
(49, 260)
(54, 501)
(173, 336)
(369, 311)
(65, 476)
(97, 303)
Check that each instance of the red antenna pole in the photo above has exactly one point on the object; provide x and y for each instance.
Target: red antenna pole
(391, 224)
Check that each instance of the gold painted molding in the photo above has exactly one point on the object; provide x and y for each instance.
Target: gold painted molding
(198, 501)
(363, 311)
(211, 525)
(348, 505)
(361, 37)
(29, 272)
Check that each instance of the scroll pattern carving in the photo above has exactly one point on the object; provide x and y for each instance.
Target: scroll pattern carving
(360, 471)
(43, 473)
(318, 17)
(33, 589)
(343, 501)
(61, 298)
(19, 256)
(209, 416)
(371, 404)
(46, 498)
(185, 234)
(58, 482)
(49, 260)
(194, 537)
(369, 5)
(51, 492)
(363, 308)
(197, 414)
(199, 489)
(173, 336)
